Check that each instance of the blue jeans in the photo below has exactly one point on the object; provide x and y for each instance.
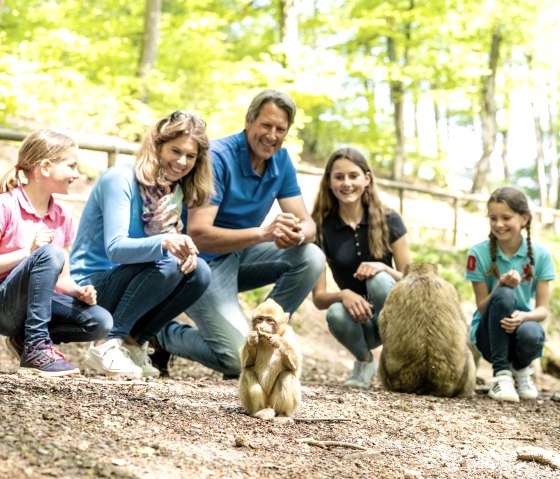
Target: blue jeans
(221, 325)
(32, 308)
(359, 338)
(144, 297)
(500, 348)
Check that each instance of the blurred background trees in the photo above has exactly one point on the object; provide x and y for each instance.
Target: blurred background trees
(458, 93)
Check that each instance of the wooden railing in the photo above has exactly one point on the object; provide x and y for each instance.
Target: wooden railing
(112, 149)
(543, 216)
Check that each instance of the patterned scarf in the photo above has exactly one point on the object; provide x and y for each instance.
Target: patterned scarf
(161, 209)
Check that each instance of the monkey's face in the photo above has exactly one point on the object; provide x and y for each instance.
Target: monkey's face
(265, 324)
(269, 318)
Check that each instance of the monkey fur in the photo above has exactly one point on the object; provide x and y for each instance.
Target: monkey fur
(269, 384)
(425, 337)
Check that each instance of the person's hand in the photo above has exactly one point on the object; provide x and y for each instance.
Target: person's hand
(179, 245)
(87, 294)
(368, 270)
(509, 325)
(189, 265)
(357, 306)
(285, 230)
(42, 238)
(511, 279)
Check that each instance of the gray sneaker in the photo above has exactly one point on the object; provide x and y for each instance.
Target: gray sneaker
(109, 359)
(362, 374)
(140, 357)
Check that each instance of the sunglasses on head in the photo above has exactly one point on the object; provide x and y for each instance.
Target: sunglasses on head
(180, 115)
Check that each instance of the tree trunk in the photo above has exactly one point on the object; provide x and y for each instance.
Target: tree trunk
(290, 31)
(505, 139)
(397, 98)
(416, 123)
(553, 193)
(369, 92)
(149, 44)
(541, 169)
(481, 171)
(437, 119)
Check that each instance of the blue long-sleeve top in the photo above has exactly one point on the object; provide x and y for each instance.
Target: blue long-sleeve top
(111, 229)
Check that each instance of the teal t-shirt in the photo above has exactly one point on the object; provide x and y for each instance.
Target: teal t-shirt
(479, 261)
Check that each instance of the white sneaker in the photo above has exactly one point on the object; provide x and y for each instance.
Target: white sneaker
(502, 388)
(108, 359)
(139, 356)
(524, 383)
(362, 374)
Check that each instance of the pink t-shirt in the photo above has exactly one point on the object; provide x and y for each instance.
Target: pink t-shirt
(19, 223)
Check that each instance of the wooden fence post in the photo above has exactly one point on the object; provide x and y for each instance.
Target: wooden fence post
(455, 219)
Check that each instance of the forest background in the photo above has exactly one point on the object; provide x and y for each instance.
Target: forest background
(453, 94)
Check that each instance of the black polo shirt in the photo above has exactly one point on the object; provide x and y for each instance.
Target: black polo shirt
(345, 248)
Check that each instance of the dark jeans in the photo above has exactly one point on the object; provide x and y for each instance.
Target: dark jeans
(501, 348)
(31, 307)
(144, 297)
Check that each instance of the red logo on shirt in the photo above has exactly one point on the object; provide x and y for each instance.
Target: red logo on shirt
(471, 263)
(526, 268)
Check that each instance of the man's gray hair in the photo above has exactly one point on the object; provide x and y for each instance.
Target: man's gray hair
(280, 99)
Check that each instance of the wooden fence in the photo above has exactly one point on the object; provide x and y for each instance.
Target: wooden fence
(543, 216)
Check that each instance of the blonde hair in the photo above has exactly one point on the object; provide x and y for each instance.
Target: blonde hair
(326, 203)
(38, 146)
(517, 202)
(198, 185)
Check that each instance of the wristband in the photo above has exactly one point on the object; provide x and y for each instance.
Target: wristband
(302, 239)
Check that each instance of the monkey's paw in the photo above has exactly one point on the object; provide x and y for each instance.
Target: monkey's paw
(266, 414)
(253, 338)
(274, 340)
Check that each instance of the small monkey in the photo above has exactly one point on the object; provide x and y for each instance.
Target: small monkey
(269, 384)
(424, 336)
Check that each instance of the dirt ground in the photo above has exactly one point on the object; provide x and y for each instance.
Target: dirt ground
(192, 425)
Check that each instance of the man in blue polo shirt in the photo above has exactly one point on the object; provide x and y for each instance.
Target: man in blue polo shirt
(251, 171)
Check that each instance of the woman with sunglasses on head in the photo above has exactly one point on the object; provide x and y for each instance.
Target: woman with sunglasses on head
(129, 244)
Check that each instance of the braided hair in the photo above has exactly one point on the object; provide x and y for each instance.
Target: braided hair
(517, 201)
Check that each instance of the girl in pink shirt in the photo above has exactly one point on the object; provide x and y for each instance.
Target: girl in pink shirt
(40, 303)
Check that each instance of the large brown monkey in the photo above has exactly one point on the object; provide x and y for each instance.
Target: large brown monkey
(424, 335)
(270, 365)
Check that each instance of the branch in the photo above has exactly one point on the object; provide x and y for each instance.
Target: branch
(520, 438)
(321, 419)
(544, 456)
(326, 444)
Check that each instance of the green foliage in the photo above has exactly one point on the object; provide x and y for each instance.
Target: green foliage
(74, 64)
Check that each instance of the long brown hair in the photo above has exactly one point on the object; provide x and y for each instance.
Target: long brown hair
(38, 146)
(326, 203)
(516, 201)
(198, 185)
